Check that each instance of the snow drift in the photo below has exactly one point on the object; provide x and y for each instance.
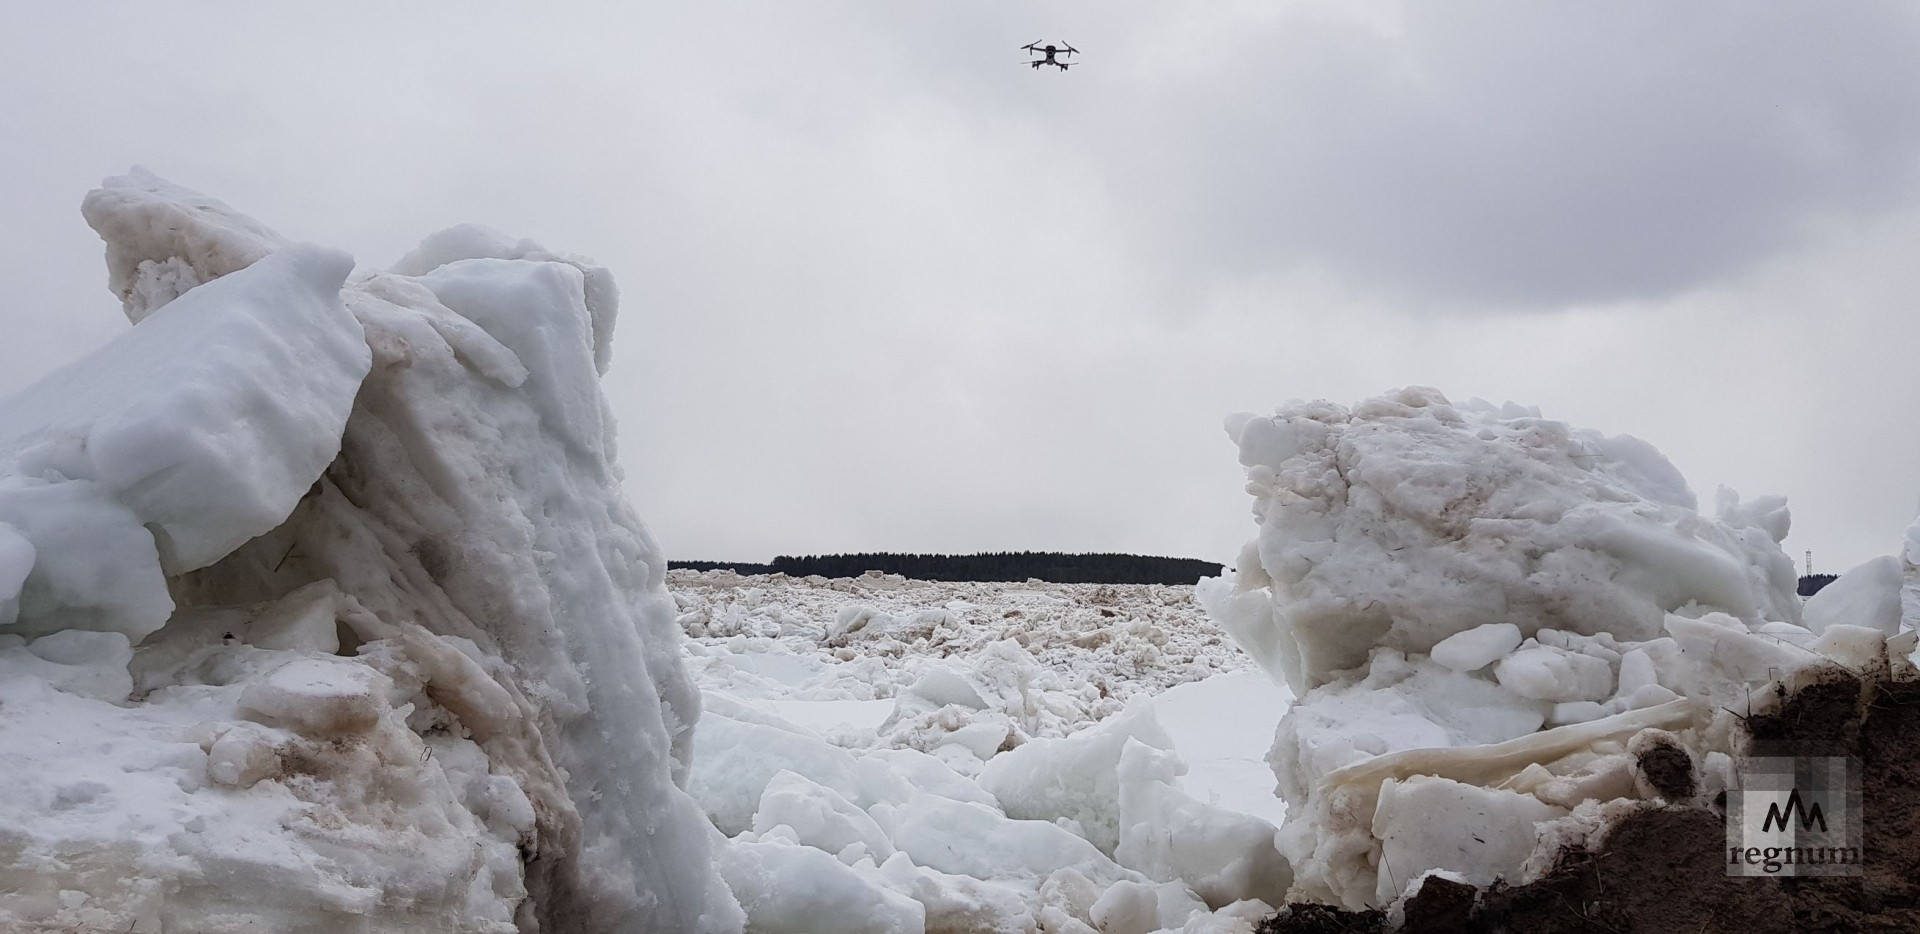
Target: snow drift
(1490, 618)
(321, 610)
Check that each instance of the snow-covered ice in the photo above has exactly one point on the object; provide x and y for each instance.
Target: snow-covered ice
(1868, 595)
(1478, 647)
(1221, 728)
(1406, 520)
(174, 444)
(322, 609)
(1012, 757)
(1486, 613)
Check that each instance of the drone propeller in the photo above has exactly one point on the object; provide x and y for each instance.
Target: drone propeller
(1031, 45)
(1070, 49)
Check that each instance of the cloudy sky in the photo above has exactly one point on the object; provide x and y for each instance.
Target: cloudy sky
(886, 289)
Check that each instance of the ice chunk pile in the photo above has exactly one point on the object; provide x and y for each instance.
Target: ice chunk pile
(871, 637)
(1061, 834)
(320, 607)
(1407, 520)
(1882, 594)
(1489, 617)
(966, 747)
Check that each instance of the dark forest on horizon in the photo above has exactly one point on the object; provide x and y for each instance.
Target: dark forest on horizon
(1053, 567)
(1811, 584)
(1015, 566)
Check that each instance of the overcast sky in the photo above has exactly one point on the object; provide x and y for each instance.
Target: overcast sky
(884, 288)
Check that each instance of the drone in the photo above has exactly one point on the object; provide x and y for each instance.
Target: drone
(1050, 51)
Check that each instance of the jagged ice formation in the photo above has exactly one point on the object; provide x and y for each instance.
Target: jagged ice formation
(325, 576)
(1490, 618)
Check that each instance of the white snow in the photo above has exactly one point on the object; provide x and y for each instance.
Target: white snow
(1076, 777)
(1221, 727)
(1545, 673)
(320, 608)
(1424, 823)
(785, 887)
(1140, 908)
(1486, 612)
(1406, 519)
(1478, 647)
(1868, 595)
(76, 661)
(968, 839)
(1007, 784)
(1223, 855)
(818, 817)
(174, 444)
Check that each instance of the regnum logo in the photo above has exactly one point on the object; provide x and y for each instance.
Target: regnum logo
(1795, 816)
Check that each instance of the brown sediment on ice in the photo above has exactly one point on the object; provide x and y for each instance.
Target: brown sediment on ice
(1667, 769)
(1661, 867)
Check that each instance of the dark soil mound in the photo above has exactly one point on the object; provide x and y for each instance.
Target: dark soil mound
(1442, 906)
(1663, 869)
(1669, 769)
(1325, 919)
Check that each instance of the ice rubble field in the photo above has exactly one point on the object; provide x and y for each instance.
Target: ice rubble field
(840, 657)
(1003, 753)
(321, 610)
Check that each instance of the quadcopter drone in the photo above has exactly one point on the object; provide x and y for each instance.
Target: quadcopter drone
(1050, 51)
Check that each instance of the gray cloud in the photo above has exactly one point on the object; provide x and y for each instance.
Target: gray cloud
(885, 288)
(1523, 156)
(1486, 156)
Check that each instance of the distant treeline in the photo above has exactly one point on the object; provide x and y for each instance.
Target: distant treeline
(995, 566)
(1810, 584)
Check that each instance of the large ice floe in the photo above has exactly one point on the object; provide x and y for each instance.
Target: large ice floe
(1492, 619)
(321, 609)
